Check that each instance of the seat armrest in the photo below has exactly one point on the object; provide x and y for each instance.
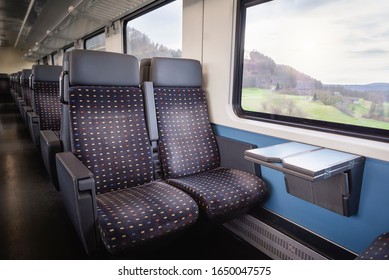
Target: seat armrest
(78, 194)
(34, 126)
(50, 146)
(25, 110)
(232, 155)
(20, 104)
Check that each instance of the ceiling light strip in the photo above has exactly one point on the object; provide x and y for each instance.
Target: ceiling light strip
(24, 21)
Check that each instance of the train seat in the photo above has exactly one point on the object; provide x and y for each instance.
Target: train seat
(45, 102)
(19, 97)
(14, 83)
(26, 93)
(188, 147)
(378, 249)
(53, 141)
(12, 80)
(106, 180)
(145, 67)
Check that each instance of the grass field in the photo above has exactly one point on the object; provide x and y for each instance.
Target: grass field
(267, 101)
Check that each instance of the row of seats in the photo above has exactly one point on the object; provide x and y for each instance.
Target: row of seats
(136, 159)
(35, 92)
(134, 164)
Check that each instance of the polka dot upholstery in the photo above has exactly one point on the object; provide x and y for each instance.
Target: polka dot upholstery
(129, 218)
(221, 191)
(109, 136)
(378, 249)
(190, 156)
(47, 104)
(187, 143)
(26, 92)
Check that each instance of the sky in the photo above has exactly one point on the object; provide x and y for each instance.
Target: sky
(163, 25)
(334, 41)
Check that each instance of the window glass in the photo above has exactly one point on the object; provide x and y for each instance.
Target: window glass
(55, 58)
(96, 42)
(157, 33)
(318, 63)
(68, 49)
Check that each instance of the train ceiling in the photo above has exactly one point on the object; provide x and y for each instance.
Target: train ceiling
(40, 27)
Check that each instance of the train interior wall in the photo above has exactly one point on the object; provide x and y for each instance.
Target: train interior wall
(12, 60)
(215, 49)
(203, 40)
(354, 233)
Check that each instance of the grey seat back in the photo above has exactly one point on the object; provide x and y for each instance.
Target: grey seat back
(46, 104)
(106, 179)
(188, 147)
(18, 84)
(64, 98)
(111, 138)
(145, 68)
(187, 143)
(25, 88)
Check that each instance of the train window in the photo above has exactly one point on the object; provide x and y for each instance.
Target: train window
(315, 64)
(45, 60)
(95, 42)
(69, 48)
(156, 33)
(55, 58)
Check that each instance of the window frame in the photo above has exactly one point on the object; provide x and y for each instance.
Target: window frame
(52, 55)
(67, 47)
(311, 124)
(145, 10)
(92, 35)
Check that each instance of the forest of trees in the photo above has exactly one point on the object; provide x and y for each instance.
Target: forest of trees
(261, 71)
(141, 46)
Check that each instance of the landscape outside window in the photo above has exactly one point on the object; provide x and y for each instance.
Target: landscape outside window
(157, 33)
(96, 42)
(318, 59)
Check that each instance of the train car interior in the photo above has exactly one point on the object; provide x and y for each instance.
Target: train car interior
(194, 130)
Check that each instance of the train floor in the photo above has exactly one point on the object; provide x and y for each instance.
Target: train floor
(33, 220)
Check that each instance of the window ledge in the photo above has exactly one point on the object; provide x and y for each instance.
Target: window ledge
(367, 148)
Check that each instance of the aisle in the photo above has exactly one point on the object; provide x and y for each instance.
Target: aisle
(33, 221)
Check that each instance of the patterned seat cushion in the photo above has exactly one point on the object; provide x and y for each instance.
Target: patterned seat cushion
(378, 249)
(190, 155)
(187, 144)
(110, 136)
(26, 92)
(222, 191)
(128, 218)
(47, 104)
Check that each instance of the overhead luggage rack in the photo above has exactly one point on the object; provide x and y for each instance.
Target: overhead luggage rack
(327, 178)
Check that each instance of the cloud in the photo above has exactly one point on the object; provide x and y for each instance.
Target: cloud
(162, 25)
(328, 40)
(370, 52)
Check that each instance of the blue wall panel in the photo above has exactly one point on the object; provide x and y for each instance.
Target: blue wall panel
(355, 232)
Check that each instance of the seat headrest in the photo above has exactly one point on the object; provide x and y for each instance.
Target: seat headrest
(145, 65)
(46, 73)
(26, 74)
(175, 72)
(98, 68)
(65, 61)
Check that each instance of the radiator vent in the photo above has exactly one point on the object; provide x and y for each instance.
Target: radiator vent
(273, 243)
